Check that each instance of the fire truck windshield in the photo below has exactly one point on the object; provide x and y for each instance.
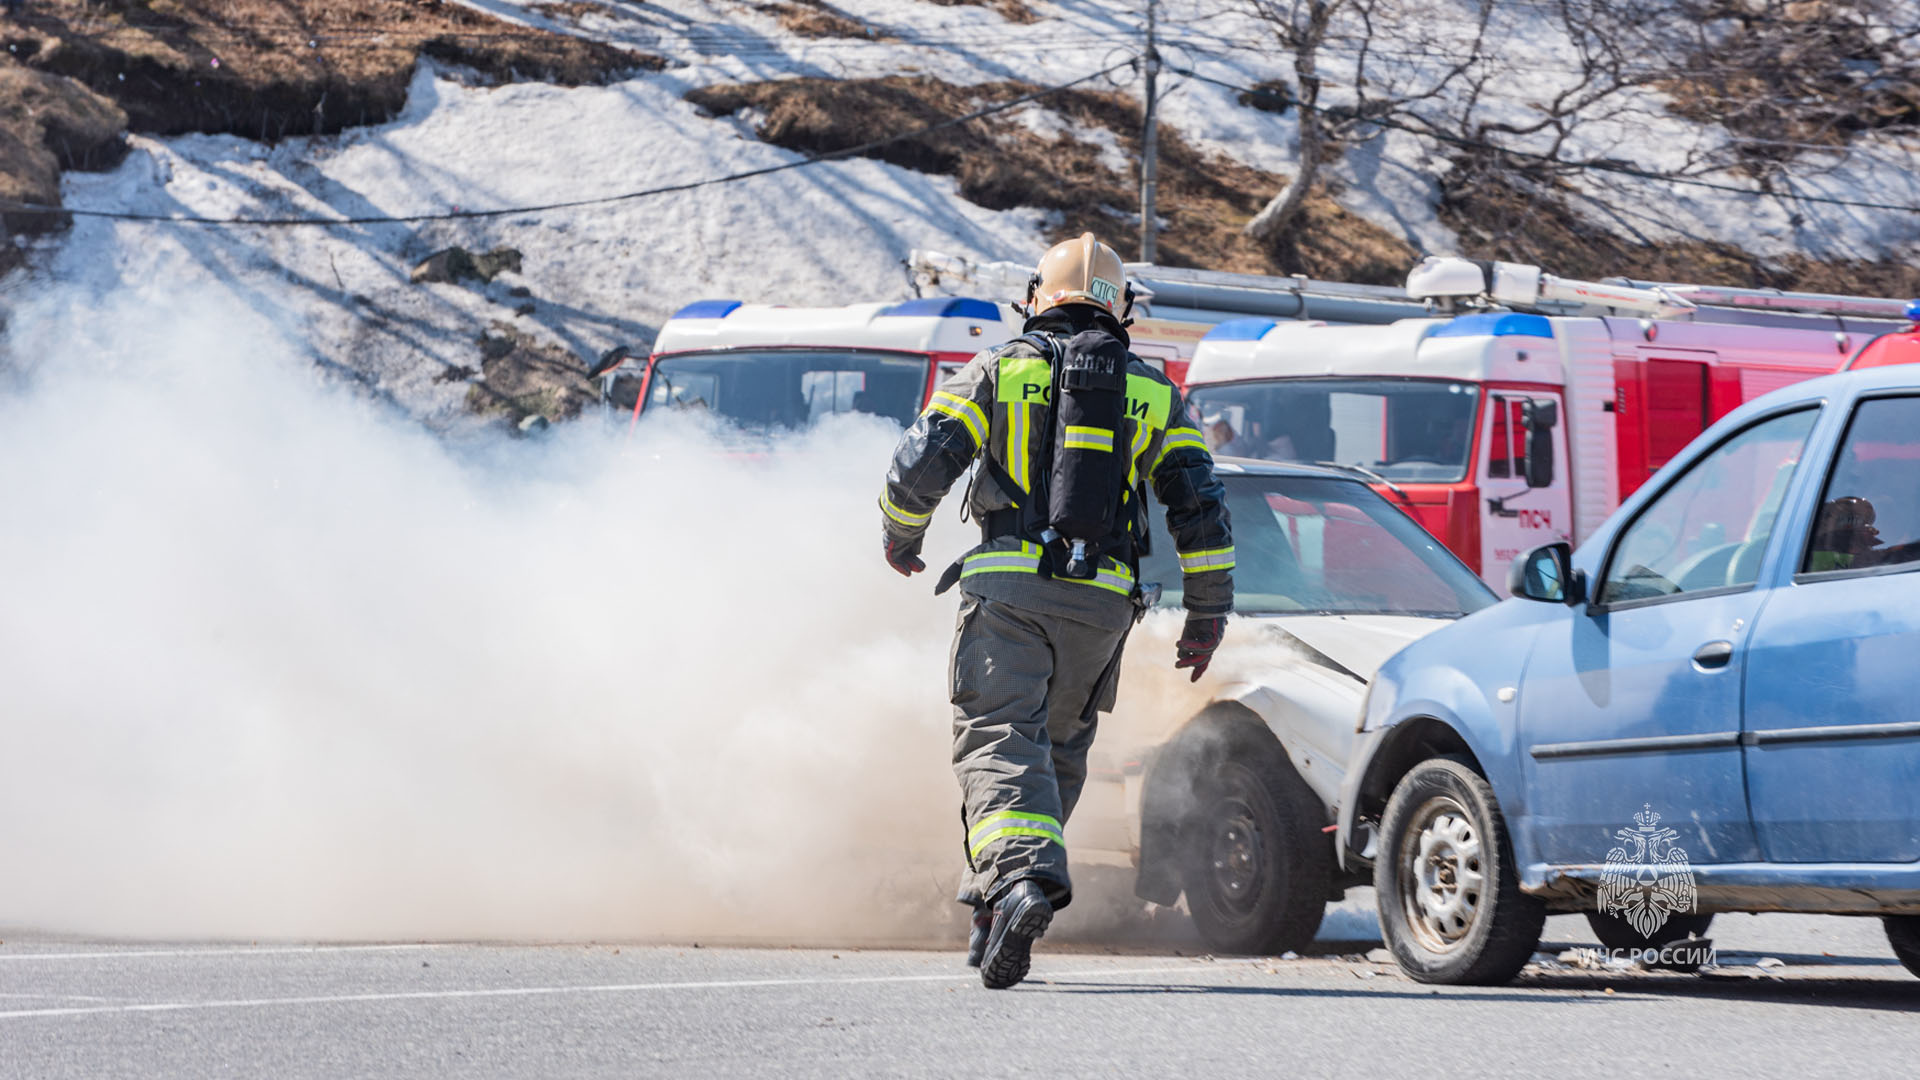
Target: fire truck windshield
(1418, 430)
(789, 388)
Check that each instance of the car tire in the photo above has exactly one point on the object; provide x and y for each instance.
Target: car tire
(1451, 908)
(1903, 933)
(1615, 932)
(1258, 864)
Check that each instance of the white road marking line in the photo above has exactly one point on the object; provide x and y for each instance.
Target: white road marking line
(271, 950)
(539, 991)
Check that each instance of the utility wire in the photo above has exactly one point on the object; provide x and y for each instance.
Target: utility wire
(1596, 166)
(11, 207)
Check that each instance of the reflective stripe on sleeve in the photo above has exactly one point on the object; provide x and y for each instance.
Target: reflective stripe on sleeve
(910, 520)
(1088, 438)
(962, 410)
(1180, 438)
(1199, 562)
(1012, 823)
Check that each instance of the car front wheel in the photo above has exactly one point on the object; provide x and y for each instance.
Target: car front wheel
(1451, 908)
(1258, 865)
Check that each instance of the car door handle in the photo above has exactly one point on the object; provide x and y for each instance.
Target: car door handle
(1713, 655)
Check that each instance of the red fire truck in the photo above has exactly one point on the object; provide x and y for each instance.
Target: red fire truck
(1527, 406)
(1893, 347)
(766, 366)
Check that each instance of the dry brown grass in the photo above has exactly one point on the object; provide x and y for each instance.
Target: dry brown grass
(1014, 11)
(267, 69)
(1204, 199)
(1506, 212)
(520, 377)
(1793, 74)
(49, 123)
(570, 10)
(818, 19)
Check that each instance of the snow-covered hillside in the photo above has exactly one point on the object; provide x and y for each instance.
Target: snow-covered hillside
(604, 275)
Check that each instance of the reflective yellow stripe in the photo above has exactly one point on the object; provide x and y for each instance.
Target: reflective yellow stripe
(1018, 454)
(911, 521)
(1114, 577)
(1012, 823)
(1088, 438)
(1024, 561)
(962, 410)
(1142, 435)
(1180, 438)
(1199, 562)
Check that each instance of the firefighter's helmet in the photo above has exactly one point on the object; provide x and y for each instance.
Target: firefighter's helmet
(1080, 271)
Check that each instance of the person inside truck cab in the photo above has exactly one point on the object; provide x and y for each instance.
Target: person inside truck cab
(1223, 440)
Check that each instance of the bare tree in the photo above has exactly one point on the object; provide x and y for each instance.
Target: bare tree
(1393, 55)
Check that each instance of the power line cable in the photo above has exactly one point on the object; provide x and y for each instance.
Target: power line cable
(12, 207)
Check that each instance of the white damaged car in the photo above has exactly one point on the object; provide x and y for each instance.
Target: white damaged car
(1234, 806)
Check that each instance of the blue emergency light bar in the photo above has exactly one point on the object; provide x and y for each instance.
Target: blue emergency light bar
(707, 309)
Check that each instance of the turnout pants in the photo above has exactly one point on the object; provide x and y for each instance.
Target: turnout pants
(1027, 689)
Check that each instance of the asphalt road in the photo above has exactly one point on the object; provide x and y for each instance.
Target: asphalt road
(1839, 1005)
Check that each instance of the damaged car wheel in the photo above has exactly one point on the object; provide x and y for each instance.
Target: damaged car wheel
(1258, 866)
(1451, 908)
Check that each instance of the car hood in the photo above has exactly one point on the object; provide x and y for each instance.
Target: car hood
(1355, 644)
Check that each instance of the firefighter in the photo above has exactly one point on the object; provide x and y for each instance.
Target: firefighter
(1070, 430)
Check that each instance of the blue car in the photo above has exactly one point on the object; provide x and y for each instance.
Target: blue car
(1711, 705)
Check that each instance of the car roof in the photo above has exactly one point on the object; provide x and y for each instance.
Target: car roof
(1239, 466)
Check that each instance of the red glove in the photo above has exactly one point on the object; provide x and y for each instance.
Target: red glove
(904, 555)
(1197, 642)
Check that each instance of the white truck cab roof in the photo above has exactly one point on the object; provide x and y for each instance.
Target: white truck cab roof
(934, 324)
(1495, 347)
(1477, 348)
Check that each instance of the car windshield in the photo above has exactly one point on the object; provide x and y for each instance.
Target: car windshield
(1321, 545)
(789, 388)
(1401, 429)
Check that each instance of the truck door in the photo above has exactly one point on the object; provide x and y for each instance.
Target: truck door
(1515, 516)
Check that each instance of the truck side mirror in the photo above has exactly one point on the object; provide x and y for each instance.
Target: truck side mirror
(1546, 574)
(1539, 418)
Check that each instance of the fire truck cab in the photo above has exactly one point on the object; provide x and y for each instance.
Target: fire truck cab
(1500, 429)
(1894, 347)
(766, 367)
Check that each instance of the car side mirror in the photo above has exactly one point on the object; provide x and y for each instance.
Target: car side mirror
(1538, 419)
(1546, 574)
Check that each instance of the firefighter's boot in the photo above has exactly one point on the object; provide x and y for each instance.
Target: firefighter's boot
(977, 937)
(1020, 915)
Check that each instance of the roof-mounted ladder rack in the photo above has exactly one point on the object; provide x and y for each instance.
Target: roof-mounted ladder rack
(1446, 280)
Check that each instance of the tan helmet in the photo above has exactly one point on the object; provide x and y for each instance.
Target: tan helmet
(1080, 271)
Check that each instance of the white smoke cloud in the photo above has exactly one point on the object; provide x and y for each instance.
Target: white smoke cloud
(276, 662)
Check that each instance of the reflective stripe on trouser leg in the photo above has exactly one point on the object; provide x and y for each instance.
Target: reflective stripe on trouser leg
(1021, 727)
